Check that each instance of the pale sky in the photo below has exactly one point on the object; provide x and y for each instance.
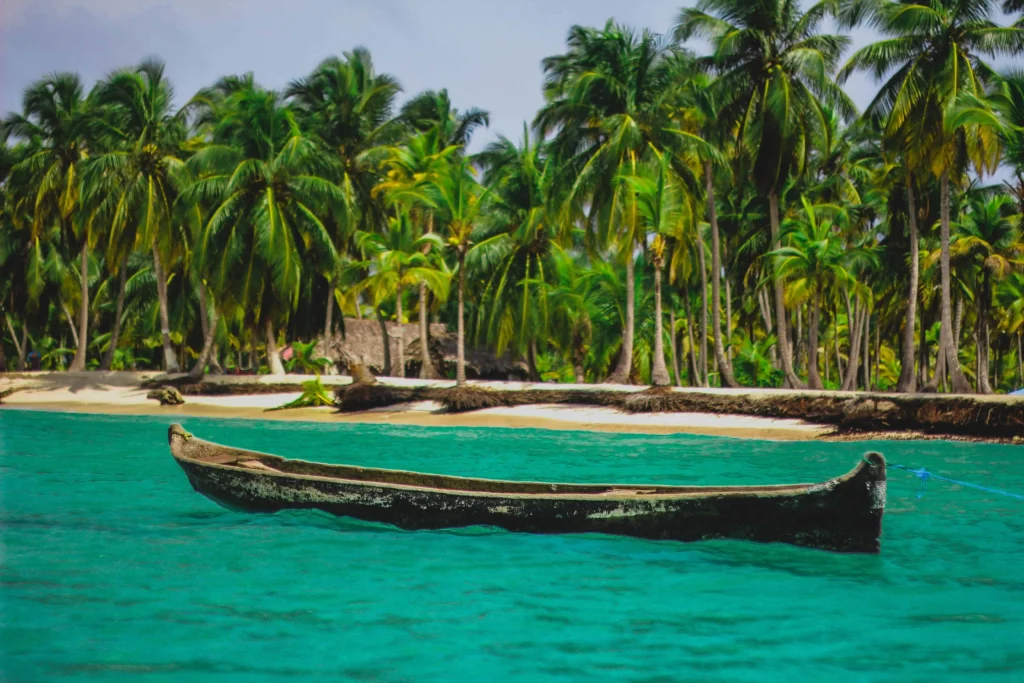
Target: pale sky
(486, 52)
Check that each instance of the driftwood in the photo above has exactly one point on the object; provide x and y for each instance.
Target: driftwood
(168, 396)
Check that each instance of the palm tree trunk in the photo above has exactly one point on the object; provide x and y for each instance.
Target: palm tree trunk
(78, 363)
(3, 358)
(329, 315)
(18, 346)
(825, 355)
(674, 347)
(691, 361)
(785, 350)
(199, 369)
(170, 362)
(460, 358)
(387, 370)
(984, 386)
(23, 349)
(878, 352)
(400, 359)
(856, 332)
(908, 380)
(724, 368)
(115, 332)
(798, 339)
(71, 321)
(1020, 359)
(958, 320)
(531, 361)
(946, 344)
(813, 377)
(273, 355)
(728, 322)
(766, 314)
(209, 317)
(623, 369)
(867, 350)
(703, 357)
(659, 373)
(427, 369)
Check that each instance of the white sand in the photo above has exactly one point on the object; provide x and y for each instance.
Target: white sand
(119, 393)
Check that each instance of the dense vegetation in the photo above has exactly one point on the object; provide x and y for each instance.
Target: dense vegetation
(667, 217)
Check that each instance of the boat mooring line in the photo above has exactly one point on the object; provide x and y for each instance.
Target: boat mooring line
(924, 475)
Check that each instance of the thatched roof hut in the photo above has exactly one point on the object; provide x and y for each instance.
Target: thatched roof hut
(363, 343)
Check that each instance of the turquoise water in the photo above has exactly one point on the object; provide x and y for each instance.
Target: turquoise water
(113, 569)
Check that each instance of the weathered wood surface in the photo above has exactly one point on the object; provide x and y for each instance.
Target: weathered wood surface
(842, 514)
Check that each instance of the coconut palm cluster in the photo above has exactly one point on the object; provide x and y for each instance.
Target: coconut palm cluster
(704, 206)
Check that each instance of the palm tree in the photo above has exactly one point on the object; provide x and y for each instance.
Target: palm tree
(989, 236)
(458, 199)
(774, 78)
(399, 259)
(267, 183)
(410, 171)
(55, 121)
(573, 305)
(816, 259)
(514, 246)
(135, 182)
(933, 100)
(432, 110)
(663, 212)
(348, 106)
(700, 96)
(609, 102)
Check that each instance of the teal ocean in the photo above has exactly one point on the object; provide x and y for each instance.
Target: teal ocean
(113, 569)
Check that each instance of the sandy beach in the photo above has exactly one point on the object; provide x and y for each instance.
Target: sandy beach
(121, 393)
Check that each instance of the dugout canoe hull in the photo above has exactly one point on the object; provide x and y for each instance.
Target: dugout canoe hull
(843, 514)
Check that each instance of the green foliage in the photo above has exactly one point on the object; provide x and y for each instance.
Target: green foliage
(314, 395)
(304, 360)
(250, 213)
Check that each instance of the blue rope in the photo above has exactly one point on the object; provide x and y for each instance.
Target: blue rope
(924, 475)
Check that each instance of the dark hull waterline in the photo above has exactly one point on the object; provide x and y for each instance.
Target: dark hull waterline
(842, 514)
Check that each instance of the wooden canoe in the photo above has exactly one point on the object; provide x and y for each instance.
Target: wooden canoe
(842, 514)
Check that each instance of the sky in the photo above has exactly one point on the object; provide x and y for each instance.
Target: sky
(486, 52)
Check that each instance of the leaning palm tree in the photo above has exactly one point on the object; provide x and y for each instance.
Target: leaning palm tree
(135, 182)
(56, 121)
(774, 77)
(266, 183)
(933, 100)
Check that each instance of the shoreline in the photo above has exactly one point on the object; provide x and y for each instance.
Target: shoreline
(739, 413)
(125, 394)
